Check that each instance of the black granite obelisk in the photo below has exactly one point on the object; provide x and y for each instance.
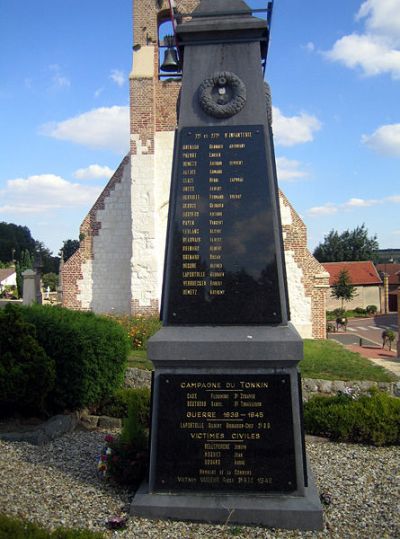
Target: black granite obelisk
(226, 437)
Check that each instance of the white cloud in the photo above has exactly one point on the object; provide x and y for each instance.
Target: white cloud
(394, 198)
(93, 172)
(99, 128)
(326, 209)
(43, 192)
(58, 79)
(370, 53)
(118, 77)
(98, 92)
(360, 203)
(310, 47)
(376, 50)
(289, 169)
(382, 17)
(384, 140)
(352, 204)
(291, 130)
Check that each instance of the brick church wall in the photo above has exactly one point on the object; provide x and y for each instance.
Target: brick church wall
(102, 253)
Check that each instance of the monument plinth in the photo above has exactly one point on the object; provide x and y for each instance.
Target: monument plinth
(226, 436)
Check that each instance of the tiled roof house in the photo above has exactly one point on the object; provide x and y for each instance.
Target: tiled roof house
(7, 277)
(364, 276)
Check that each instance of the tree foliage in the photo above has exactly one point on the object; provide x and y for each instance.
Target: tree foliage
(68, 249)
(17, 243)
(343, 289)
(50, 263)
(351, 245)
(14, 239)
(50, 280)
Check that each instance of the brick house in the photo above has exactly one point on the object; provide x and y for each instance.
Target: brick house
(124, 232)
(366, 279)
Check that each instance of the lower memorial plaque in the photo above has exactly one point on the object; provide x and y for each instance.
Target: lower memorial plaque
(228, 432)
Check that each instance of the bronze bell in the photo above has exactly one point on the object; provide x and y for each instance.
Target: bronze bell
(171, 62)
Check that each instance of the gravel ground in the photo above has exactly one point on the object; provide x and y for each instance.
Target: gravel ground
(56, 485)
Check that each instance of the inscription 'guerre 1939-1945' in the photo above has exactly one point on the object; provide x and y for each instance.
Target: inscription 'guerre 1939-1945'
(230, 432)
(221, 254)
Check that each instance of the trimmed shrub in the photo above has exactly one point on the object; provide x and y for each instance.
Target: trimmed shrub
(371, 309)
(139, 329)
(360, 310)
(15, 528)
(339, 312)
(370, 419)
(136, 425)
(116, 405)
(27, 374)
(90, 353)
(127, 461)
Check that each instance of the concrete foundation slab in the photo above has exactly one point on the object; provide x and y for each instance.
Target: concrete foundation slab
(274, 511)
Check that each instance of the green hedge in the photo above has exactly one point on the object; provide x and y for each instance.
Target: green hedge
(14, 528)
(90, 353)
(116, 405)
(27, 373)
(373, 419)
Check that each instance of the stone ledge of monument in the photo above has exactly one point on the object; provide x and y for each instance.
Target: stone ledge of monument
(231, 343)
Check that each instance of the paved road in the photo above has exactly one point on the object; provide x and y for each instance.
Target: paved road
(371, 328)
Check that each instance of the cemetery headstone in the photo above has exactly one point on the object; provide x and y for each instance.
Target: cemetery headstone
(29, 287)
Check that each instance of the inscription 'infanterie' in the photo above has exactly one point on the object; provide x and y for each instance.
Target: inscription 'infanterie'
(220, 161)
(218, 186)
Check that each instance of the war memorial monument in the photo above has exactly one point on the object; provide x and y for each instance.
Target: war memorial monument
(226, 441)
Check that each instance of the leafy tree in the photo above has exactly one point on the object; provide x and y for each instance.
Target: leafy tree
(50, 263)
(351, 245)
(14, 239)
(343, 289)
(69, 247)
(50, 280)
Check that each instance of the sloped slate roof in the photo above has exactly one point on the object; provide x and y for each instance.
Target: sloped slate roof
(361, 273)
(6, 272)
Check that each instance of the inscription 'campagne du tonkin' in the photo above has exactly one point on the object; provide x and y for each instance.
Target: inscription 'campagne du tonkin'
(221, 425)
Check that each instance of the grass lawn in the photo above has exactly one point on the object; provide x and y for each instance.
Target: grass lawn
(329, 360)
(138, 359)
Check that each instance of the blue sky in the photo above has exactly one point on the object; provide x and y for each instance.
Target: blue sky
(334, 70)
